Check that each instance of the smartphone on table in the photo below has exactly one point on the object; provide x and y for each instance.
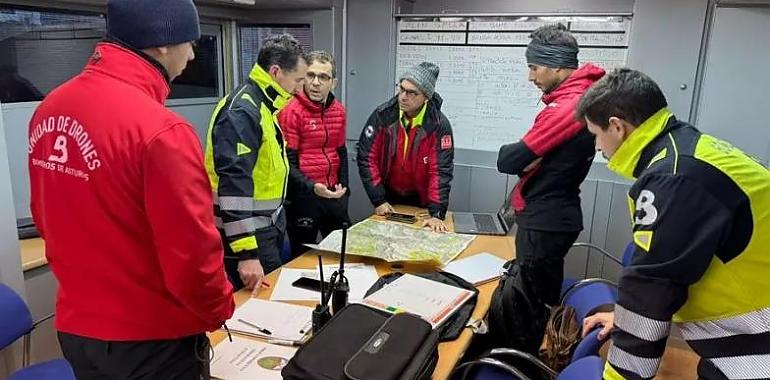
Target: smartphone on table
(308, 283)
(403, 218)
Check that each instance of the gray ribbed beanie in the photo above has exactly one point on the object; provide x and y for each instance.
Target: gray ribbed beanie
(423, 76)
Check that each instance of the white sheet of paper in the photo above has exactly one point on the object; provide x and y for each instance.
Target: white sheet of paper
(360, 277)
(283, 291)
(431, 300)
(284, 321)
(244, 359)
(477, 269)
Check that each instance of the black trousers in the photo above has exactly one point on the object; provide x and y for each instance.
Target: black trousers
(309, 215)
(542, 252)
(179, 359)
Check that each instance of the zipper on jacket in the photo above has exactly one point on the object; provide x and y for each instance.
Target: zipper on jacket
(323, 149)
(283, 161)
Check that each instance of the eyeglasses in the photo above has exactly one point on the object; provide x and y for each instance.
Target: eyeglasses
(407, 92)
(322, 78)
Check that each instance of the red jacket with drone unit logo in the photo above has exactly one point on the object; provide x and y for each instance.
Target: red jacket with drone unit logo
(121, 197)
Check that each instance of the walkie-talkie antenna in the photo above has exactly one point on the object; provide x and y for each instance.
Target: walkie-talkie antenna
(344, 247)
(321, 273)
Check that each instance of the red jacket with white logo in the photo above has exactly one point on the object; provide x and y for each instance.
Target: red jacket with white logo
(121, 197)
(315, 143)
(428, 163)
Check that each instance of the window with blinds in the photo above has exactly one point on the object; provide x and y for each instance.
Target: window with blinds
(41, 49)
(251, 37)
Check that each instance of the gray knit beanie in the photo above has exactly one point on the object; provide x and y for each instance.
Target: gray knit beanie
(423, 76)
(152, 23)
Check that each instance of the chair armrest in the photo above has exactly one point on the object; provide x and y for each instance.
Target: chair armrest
(487, 361)
(522, 355)
(41, 320)
(583, 283)
(592, 247)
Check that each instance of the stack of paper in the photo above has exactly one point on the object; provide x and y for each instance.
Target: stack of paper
(477, 269)
(244, 359)
(431, 300)
(283, 321)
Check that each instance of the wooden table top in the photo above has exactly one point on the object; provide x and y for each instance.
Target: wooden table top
(32, 253)
(449, 352)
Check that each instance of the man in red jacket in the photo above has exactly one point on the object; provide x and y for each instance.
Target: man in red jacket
(406, 150)
(121, 197)
(551, 160)
(314, 125)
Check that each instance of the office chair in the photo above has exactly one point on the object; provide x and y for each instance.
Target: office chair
(489, 368)
(16, 322)
(586, 298)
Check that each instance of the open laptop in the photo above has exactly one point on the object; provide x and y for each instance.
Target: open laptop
(498, 223)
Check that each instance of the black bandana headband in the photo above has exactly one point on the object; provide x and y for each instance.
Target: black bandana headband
(554, 56)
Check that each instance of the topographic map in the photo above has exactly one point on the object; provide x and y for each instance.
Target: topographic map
(394, 242)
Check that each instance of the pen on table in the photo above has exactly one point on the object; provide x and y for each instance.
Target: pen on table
(283, 342)
(260, 329)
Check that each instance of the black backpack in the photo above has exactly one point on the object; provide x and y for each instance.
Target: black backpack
(517, 318)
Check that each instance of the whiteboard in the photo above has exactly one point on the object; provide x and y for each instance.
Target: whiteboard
(483, 77)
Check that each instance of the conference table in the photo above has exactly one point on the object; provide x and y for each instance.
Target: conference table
(449, 352)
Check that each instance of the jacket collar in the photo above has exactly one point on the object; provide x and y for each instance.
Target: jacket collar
(132, 67)
(276, 95)
(417, 121)
(390, 113)
(626, 158)
(576, 84)
(314, 106)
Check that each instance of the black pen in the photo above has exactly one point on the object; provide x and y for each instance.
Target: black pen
(260, 329)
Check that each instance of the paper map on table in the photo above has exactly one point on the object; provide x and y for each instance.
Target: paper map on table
(395, 242)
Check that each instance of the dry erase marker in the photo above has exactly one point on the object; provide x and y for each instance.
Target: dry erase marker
(260, 329)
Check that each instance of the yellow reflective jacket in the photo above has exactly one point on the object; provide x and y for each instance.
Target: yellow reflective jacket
(246, 161)
(701, 227)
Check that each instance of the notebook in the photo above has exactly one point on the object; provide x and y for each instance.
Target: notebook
(431, 300)
(283, 321)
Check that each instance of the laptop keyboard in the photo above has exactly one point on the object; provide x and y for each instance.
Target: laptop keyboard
(484, 222)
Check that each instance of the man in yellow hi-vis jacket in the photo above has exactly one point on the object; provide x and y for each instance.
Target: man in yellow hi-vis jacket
(701, 229)
(247, 165)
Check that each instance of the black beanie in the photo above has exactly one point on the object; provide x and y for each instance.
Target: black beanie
(152, 23)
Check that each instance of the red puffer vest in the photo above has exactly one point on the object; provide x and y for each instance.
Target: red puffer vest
(316, 132)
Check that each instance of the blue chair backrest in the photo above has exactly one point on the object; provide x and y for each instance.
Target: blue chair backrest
(589, 368)
(15, 318)
(628, 254)
(588, 346)
(587, 298)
